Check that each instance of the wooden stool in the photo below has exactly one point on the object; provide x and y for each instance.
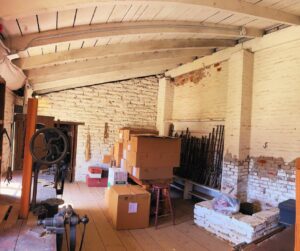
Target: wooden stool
(165, 190)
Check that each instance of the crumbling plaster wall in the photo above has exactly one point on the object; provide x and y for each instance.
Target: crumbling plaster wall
(125, 103)
(199, 102)
(262, 119)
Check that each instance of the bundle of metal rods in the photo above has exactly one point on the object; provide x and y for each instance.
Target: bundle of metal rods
(201, 158)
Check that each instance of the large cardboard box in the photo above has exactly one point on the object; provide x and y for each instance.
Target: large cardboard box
(118, 153)
(118, 149)
(152, 173)
(126, 132)
(153, 151)
(128, 206)
(106, 159)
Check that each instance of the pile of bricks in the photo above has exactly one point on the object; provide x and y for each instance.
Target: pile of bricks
(237, 228)
(235, 178)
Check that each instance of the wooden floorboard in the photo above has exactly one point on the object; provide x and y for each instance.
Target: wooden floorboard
(16, 234)
(3, 212)
(185, 235)
(100, 235)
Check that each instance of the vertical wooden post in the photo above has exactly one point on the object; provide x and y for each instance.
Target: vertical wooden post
(297, 226)
(27, 162)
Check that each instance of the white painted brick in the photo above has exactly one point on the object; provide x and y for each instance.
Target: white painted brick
(125, 103)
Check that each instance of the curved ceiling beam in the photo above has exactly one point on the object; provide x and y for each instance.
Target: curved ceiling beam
(116, 66)
(128, 71)
(75, 69)
(19, 43)
(117, 49)
(20, 8)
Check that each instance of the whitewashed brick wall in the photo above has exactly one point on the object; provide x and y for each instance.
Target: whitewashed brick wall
(10, 99)
(164, 105)
(201, 106)
(205, 99)
(125, 103)
(276, 106)
(235, 179)
(266, 122)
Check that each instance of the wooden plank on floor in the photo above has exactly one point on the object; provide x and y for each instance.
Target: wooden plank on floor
(12, 218)
(145, 240)
(101, 235)
(8, 239)
(202, 237)
(29, 239)
(3, 211)
(129, 241)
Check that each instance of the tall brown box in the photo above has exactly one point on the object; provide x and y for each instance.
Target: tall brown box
(126, 132)
(128, 206)
(153, 151)
(152, 173)
(118, 153)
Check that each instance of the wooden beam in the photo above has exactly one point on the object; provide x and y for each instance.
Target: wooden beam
(64, 70)
(116, 50)
(27, 162)
(18, 8)
(161, 63)
(20, 43)
(200, 63)
(112, 76)
(297, 226)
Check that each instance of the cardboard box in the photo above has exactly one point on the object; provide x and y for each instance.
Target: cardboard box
(128, 206)
(95, 182)
(118, 160)
(118, 149)
(152, 173)
(118, 153)
(94, 169)
(116, 176)
(106, 159)
(126, 132)
(153, 151)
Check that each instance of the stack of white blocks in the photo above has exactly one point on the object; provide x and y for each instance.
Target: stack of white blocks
(237, 228)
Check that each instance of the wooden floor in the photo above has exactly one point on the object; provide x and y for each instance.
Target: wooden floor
(100, 234)
(17, 234)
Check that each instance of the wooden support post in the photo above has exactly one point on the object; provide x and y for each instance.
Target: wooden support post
(27, 162)
(297, 226)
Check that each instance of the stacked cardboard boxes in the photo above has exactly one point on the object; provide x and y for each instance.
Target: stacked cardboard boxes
(125, 133)
(152, 157)
(118, 153)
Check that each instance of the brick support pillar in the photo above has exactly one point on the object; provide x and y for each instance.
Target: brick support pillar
(164, 106)
(238, 122)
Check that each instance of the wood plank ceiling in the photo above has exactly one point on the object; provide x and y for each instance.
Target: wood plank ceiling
(72, 43)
